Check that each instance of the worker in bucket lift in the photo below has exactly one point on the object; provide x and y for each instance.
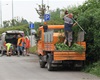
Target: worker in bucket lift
(68, 23)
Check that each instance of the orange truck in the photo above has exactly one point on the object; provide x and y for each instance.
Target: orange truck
(49, 55)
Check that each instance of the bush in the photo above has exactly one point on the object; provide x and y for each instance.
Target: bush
(21, 27)
(93, 68)
(88, 16)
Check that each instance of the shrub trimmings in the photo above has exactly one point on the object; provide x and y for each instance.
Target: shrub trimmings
(75, 47)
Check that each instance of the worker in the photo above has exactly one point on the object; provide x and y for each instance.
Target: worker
(23, 42)
(27, 45)
(9, 48)
(14, 42)
(68, 23)
(45, 27)
(19, 45)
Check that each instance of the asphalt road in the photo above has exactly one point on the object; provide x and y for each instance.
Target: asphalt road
(27, 68)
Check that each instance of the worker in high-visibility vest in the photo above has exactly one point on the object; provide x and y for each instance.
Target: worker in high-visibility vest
(19, 45)
(9, 48)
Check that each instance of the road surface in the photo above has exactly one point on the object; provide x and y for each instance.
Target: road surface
(27, 68)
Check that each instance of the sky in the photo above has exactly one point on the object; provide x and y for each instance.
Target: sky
(26, 8)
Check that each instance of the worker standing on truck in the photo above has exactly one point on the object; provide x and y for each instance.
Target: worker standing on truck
(68, 28)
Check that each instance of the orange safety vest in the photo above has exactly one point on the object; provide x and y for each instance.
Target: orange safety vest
(19, 42)
(23, 39)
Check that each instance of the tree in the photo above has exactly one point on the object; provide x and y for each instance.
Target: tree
(15, 22)
(41, 11)
(55, 17)
(88, 16)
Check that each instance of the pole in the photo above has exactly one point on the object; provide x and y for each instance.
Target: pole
(42, 4)
(42, 10)
(12, 12)
(1, 13)
(79, 26)
(31, 37)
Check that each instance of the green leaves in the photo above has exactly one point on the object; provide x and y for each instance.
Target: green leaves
(55, 18)
(21, 27)
(77, 48)
(93, 68)
(61, 46)
(74, 47)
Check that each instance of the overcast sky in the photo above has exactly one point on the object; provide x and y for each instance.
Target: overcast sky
(26, 8)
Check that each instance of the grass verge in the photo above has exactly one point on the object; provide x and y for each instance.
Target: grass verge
(33, 49)
(93, 68)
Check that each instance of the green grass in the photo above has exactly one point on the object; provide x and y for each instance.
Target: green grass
(93, 69)
(33, 49)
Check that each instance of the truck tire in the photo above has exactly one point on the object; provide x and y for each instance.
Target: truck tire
(49, 67)
(42, 63)
(49, 64)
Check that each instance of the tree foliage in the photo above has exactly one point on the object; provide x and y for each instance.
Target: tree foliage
(88, 16)
(15, 22)
(37, 25)
(55, 17)
(42, 10)
(24, 28)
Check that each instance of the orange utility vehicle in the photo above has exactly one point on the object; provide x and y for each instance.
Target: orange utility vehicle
(49, 55)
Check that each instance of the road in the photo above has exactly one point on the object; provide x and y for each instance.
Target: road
(27, 68)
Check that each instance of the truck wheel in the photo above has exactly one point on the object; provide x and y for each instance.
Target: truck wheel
(49, 65)
(42, 63)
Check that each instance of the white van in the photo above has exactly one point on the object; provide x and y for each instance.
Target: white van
(8, 37)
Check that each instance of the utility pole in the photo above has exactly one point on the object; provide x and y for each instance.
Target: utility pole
(1, 14)
(12, 13)
(42, 10)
